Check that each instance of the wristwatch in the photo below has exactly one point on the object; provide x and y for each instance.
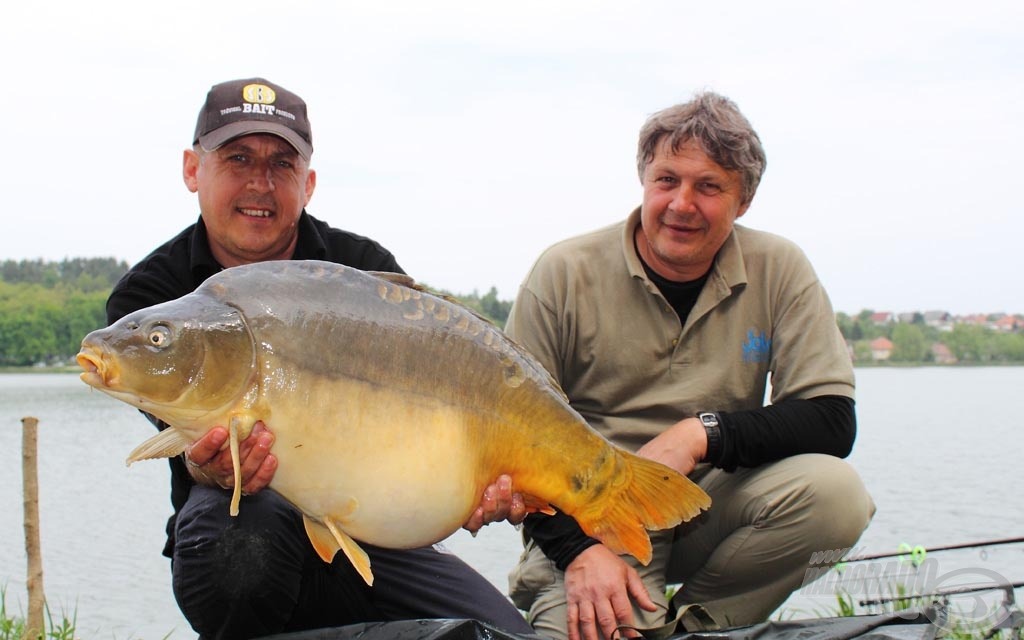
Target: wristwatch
(713, 429)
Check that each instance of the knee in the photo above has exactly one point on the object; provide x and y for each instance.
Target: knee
(838, 498)
(223, 564)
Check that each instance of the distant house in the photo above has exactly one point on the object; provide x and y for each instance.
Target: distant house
(942, 320)
(975, 319)
(1006, 323)
(882, 318)
(881, 349)
(942, 355)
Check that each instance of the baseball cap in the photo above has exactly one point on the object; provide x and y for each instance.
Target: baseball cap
(254, 105)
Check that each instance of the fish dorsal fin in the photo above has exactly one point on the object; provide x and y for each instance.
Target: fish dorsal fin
(327, 539)
(166, 444)
(407, 281)
(397, 278)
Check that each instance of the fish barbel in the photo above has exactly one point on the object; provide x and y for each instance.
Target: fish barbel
(392, 408)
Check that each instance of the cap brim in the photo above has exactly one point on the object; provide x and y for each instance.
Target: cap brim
(218, 137)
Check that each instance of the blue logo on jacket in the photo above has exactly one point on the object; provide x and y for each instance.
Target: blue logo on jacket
(757, 348)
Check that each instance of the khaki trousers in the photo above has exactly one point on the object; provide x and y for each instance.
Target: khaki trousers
(742, 558)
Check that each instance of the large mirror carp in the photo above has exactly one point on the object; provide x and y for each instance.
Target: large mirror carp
(392, 408)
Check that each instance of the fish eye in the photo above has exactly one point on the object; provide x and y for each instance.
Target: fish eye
(159, 336)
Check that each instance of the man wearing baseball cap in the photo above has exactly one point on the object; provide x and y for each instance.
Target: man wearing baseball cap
(257, 574)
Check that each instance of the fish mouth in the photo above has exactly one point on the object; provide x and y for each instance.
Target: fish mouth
(96, 369)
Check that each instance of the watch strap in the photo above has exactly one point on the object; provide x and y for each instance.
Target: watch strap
(713, 428)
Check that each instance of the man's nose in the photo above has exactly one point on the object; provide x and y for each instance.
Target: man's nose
(261, 177)
(683, 200)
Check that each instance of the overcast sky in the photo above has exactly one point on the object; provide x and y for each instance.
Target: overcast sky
(468, 136)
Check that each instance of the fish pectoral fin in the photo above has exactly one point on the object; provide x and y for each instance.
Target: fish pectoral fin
(236, 465)
(166, 444)
(537, 505)
(327, 539)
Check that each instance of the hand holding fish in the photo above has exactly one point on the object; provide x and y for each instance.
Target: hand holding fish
(209, 460)
(497, 503)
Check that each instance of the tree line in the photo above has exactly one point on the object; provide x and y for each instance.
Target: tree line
(46, 308)
(914, 341)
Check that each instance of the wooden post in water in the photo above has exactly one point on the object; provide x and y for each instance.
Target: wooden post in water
(30, 480)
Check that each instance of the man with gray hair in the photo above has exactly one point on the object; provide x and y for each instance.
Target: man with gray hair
(663, 331)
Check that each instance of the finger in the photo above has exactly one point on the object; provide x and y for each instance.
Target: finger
(572, 620)
(517, 512)
(262, 477)
(639, 592)
(489, 503)
(203, 450)
(259, 450)
(250, 442)
(622, 616)
(496, 502)
(606, 619)
(588, 621)
(475, 522)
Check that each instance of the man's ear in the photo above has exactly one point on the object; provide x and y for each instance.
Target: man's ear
(310, 186)
(190, 170)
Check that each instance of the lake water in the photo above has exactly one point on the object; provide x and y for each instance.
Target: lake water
(939, 449)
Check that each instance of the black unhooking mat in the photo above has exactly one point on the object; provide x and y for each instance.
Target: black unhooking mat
(906, 625)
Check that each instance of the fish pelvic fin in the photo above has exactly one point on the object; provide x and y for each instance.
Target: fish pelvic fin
(321, 538)
(166, 444)
(657, 497)
(327, 539)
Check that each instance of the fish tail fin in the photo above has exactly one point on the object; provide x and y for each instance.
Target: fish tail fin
(656, 497)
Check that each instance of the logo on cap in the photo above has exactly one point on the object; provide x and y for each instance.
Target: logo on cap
(259, 94)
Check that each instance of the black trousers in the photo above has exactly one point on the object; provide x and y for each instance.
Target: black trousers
(257, 574)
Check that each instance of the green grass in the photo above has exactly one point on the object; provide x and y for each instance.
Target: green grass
(12, 627)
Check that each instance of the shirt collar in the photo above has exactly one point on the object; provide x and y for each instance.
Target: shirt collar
(309, 246)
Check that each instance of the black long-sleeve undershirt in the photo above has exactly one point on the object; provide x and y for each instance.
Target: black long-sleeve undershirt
(826, 424)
